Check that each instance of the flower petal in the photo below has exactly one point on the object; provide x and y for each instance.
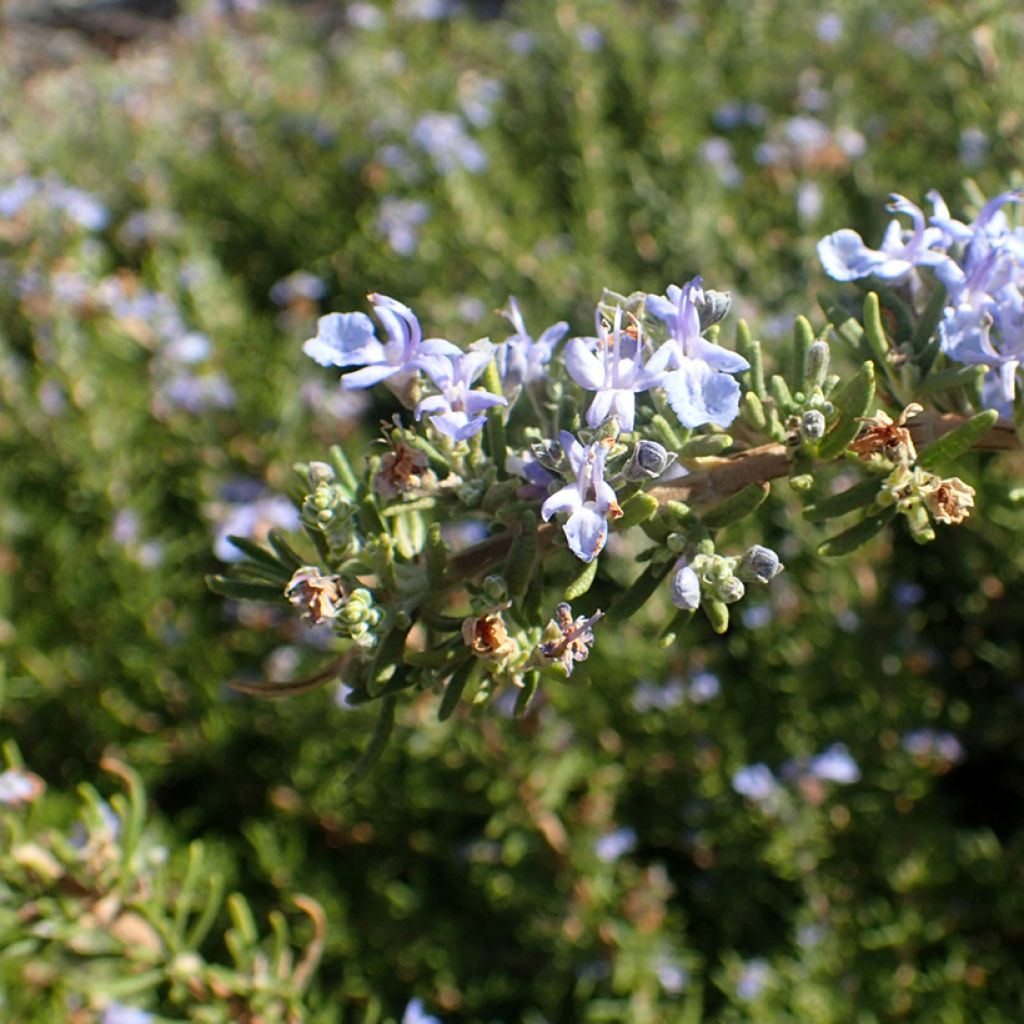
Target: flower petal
(344, 339)
(586, 530)
(845, 257)
(584, 367)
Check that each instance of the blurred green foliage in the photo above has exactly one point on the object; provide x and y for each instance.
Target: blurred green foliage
(592, 861)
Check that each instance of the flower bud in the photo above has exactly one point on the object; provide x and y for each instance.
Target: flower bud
(685, 587)
(812, 425)
(320, 473)
(712, 307)
(759, 564)
(649, 460)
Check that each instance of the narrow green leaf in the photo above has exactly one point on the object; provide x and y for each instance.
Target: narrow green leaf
(634, 598)
(285, 551)
(261, 556)
(496, 421)
(928, 322)
(851, 402)
(521, 561)
(583, 581)
(957, 442)
(637, 508)
(947, 380)
(378, 741)
(878, 342)
(666, 432)
(803, 336)
(343, 470)
(436, 556)
(846, 501)
(752, 411)
(703, 445)
(851, 539)
(454, 690)
(244, 590)
(531, 680)
(737, 506)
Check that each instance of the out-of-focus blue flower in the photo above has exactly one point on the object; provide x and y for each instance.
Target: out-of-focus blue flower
(845, 257)
(477, 97)
(671, 975)
(443, 136)
(459, 411)
(590, 501)
(615, 845)
(416, 1014)
(300, 284)
(423, 10)
(974, 148)
(590, 37)
(754, 976)
(647, 696)
(756, 782)
(19, 787)
(704, 686)
(367, 17)
(829, 27)
(251, 519)
(118, 1013)
(929, 744)
(399, 222)
(521, 359)
(194, 393)
(17, 194)
(835, 765)
(685, 586)
(696, 373)
(716, 152)
(611, 365)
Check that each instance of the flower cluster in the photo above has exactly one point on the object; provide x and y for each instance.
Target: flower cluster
(980, 266)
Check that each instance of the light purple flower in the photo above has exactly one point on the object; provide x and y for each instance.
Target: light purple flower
(613, 846)
(589, 500)
(933, 744)
(348, 339)
(415, 1014)
(252, 519)
(754, 976)
(610, 364)
(459, 411)
(521, 359)
(300, 284)
(696, 373)
(118, 1013)
(19, 787)
(835, 765)
(756, 782)
(399, 222)
(845, 257)
(443, 136)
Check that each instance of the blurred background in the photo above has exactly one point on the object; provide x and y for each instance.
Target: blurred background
(817, 817)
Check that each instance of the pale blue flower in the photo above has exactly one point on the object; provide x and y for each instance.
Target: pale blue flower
(590, 501)
(118, 1013)
(695, 372)
(444, 138)
(613, 846)
(845, 257)
(399, 222)
(754, 976)
(755, 782)
(348, 339)
(300, 284)
(835, 765)
(253, 520)
(415, 1014)
(521, 359)
(611, 365)
(459, 411)
(933, 744)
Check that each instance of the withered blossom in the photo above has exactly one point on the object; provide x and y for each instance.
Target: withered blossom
(880, 435)
(402, 469)
(576, 638)
(487, 636)
(949, 501)
(320, 597)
